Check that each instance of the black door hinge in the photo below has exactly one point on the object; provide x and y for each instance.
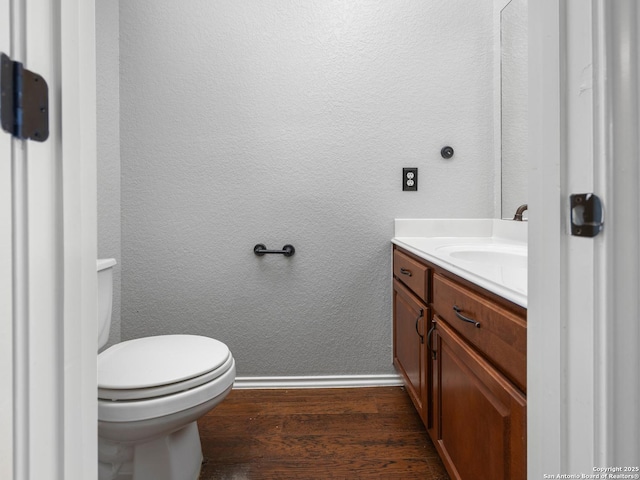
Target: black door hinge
(24, 101)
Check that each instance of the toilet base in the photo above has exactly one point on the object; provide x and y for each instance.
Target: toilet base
(177, 456)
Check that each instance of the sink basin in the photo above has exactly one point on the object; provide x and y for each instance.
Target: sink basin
(511, 256)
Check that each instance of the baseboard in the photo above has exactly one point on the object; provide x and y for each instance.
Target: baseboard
(331, 381)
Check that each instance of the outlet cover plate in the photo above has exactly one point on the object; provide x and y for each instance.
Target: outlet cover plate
(410, 179)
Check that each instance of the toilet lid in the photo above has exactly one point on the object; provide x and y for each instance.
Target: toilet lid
(157, 361)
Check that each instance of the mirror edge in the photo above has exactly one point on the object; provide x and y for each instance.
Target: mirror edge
(498, 6)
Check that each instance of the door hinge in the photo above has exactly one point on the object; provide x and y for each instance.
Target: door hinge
(24, 101)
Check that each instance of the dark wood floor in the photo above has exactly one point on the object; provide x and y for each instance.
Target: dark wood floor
(346, 433)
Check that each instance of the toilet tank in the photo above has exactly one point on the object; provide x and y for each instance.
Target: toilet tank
(105, 299)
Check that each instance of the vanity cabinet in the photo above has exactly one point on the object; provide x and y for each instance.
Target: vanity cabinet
(464, 364)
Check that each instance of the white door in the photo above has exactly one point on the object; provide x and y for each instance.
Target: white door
(583, 329)
(48, 252)
(6, 292)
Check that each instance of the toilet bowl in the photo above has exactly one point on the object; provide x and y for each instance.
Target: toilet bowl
(151, 392)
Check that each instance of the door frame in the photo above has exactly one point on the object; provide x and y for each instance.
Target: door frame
(48, 252)
(582, 305)
(550, 368)
(79, 179)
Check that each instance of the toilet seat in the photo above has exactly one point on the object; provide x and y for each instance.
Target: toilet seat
(146, 363)
(155, 376)
(161, 390)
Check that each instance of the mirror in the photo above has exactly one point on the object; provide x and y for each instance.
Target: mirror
(513, 105)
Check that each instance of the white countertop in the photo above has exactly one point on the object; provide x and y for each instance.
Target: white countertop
(434, 239)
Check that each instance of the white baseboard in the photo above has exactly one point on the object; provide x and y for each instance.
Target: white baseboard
(331, 381)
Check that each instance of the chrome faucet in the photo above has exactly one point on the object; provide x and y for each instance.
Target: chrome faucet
(518, 216)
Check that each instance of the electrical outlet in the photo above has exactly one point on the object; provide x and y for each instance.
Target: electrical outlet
(410, 179)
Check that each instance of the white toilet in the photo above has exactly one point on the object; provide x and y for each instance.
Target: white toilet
(151, 391)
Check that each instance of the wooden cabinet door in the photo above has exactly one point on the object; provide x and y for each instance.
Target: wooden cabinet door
(410, 319)
(480, 424)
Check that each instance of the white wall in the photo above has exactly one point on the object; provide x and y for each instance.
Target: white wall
(108, 124)
(289, 122)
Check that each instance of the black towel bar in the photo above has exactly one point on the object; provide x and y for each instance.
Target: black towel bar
(261, 250)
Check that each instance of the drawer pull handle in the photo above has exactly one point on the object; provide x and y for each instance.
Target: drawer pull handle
(418, 331)
(429, 347)
(405, 271)
(458, 311)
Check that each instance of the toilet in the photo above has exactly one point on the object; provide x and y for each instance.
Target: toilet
(151, 392)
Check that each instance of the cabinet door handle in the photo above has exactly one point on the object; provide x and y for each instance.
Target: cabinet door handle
(405, 271)
(418, 331)
(458, 311)
(433, 352)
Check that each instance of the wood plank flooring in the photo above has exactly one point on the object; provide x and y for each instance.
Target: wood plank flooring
(346, 433)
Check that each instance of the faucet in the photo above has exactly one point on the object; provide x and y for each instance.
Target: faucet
(518, 216)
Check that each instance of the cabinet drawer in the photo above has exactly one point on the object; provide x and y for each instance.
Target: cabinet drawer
(501, 335)
(412, 273)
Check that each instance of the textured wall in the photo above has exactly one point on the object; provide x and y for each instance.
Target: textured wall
(278, 122)
(108, 124)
